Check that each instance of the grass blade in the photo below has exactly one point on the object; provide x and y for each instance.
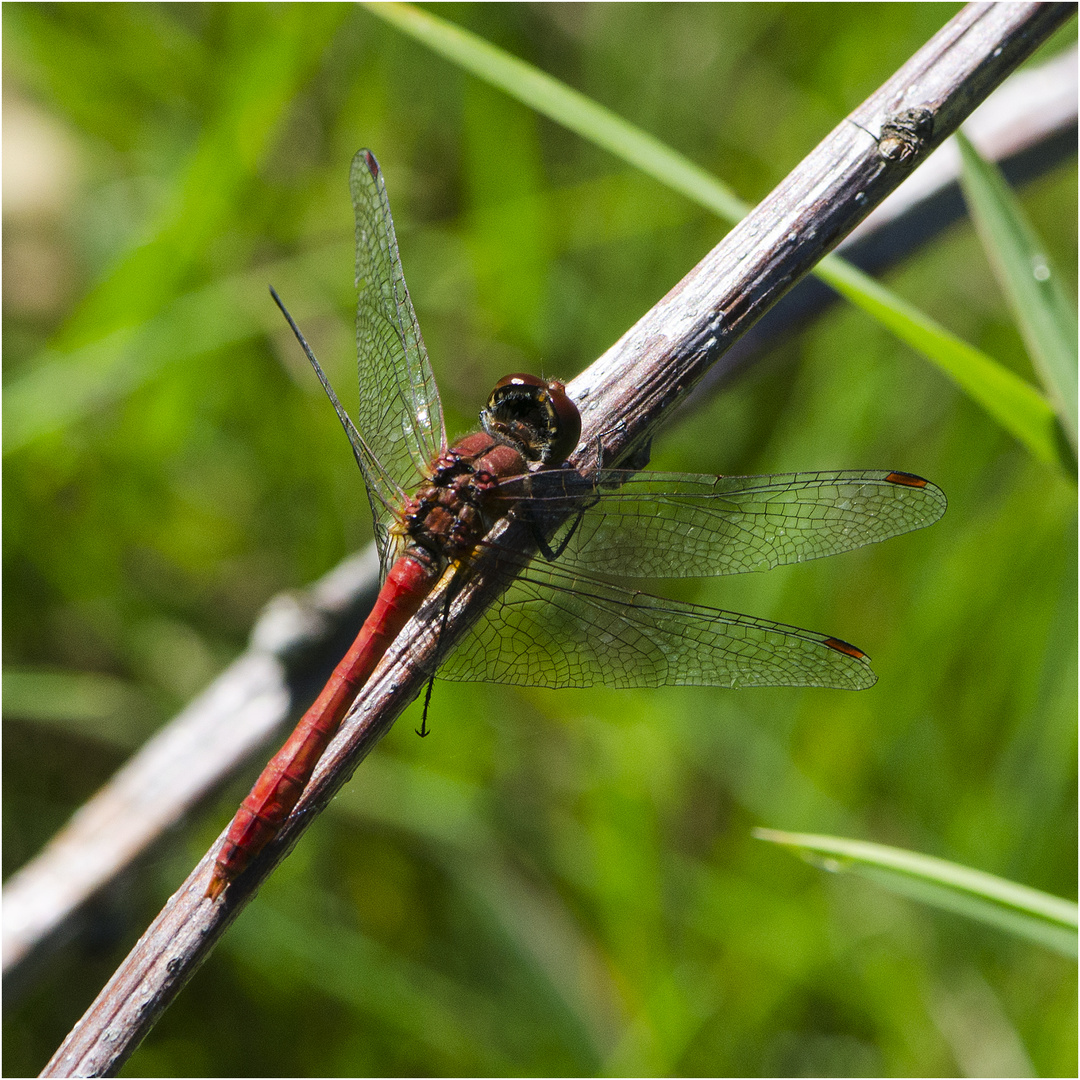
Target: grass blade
(1038, 916)
(1031, 284)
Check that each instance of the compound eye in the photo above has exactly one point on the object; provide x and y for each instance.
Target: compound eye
(568, 422)
(535, 415)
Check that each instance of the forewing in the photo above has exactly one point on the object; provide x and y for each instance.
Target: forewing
(554, 629)
(681, 525)
(400, 417)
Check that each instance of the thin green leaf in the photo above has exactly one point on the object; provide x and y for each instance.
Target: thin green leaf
(1016, 406)
(1031, 284)
(1027, 912)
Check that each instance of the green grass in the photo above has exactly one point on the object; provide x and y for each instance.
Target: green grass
(553, 882)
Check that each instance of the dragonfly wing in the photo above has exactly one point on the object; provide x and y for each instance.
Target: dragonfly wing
(400, 417)
(555, 629)
(681, 525)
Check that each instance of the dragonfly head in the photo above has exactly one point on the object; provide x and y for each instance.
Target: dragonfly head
(535, 416)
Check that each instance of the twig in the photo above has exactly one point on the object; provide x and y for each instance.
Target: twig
(623, 396)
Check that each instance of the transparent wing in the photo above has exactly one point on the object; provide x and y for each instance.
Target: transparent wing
(400, 419)
(557, 629)
(680, 525)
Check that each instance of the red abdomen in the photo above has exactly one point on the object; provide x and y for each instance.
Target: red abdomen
(278, 788)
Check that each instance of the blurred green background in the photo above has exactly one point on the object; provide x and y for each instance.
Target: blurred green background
(554, 882)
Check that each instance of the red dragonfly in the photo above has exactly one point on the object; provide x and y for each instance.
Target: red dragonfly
(562, 621)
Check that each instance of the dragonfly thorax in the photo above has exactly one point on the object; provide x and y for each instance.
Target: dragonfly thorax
(528, 424)
(536, 417)
(449, 514)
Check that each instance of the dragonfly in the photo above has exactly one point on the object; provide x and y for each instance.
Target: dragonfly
(565, 620)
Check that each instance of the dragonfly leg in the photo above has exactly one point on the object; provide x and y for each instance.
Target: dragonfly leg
(546, 549)
(423, 731)
(451, 592)
(598, 465)
(552, 553)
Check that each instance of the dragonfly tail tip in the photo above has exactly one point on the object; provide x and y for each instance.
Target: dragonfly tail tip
(217, 884)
